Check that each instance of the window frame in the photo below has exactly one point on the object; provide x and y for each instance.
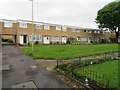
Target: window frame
(40, 26)
(46, 25)
(8, 24)
(23, 25)
(64, 28)
(58, 28)
(55, 38)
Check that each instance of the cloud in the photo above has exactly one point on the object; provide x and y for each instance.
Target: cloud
(69, 12)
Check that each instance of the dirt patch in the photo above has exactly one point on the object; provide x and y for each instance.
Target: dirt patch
(50, 64)
(68, 81)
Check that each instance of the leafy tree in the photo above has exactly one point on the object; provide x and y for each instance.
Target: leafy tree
(109, 17)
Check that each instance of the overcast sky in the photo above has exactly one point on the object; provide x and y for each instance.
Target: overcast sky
(66, 12)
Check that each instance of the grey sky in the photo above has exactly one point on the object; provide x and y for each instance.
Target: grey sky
(66, 12)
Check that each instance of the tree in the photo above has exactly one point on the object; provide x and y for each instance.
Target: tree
(109, 17)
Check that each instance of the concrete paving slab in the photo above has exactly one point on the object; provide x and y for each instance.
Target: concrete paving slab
(4, 67)
(29, 84)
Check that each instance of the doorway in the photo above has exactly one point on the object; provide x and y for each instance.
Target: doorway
(46, 39)
(23, 39)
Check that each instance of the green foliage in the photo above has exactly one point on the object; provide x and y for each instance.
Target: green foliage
(110, 69)
(68, 51)
(36, 42)
(109, 17)
(102, 67)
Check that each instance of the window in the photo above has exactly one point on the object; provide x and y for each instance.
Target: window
(46, 26)
(98, 32)
(89, 31)
(64, 28)
(95, 31)
(7, 24)
(40, 38)
(83, 39)
(55, 38)
(77, 30)
(78, 38)
(58, 28)
(23, 25)
(38, 26)
(35, 38)
(73, 30)
(30, 37)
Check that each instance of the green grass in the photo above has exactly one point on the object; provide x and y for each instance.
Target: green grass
(68, 51)
(109, 68)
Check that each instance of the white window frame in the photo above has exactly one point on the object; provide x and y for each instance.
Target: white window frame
(78, 38)
(64, 28)
(46, 27)
(8, 24)
(95, 31)
(89, 31)
(73, 30)
(77, 30)
(55, 38)
(22, 24)
(38, 26)
(58, 28)
(30, 37)
(40, 38)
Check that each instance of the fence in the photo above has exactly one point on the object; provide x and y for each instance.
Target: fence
(111, 55)
(92, 76)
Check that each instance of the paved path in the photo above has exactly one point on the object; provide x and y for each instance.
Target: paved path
(23, 70)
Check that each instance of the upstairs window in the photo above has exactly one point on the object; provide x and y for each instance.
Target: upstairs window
(64, 28)
(22, 25)
(77, 30)
(73, 30)
(58, 28)
(47, 27)
(8, 24)
(38, 26)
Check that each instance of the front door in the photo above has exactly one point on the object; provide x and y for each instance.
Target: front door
(24, 38)
(46, 40)
(21, 39)
(64, 39)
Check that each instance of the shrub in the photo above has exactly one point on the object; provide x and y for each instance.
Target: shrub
(36, 42)
(10, 41)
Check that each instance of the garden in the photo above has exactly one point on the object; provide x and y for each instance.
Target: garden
(99, 73)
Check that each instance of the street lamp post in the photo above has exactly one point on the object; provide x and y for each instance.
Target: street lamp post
(32, 29)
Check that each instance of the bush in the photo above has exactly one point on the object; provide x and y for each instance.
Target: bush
(36, 42)
(68, 42)
(5, 40)
(62, 66)
(10, 41)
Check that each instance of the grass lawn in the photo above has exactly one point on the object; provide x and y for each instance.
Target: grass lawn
(108, 68)
(68, 51)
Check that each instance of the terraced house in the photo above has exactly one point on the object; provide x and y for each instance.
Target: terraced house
(21, 32)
